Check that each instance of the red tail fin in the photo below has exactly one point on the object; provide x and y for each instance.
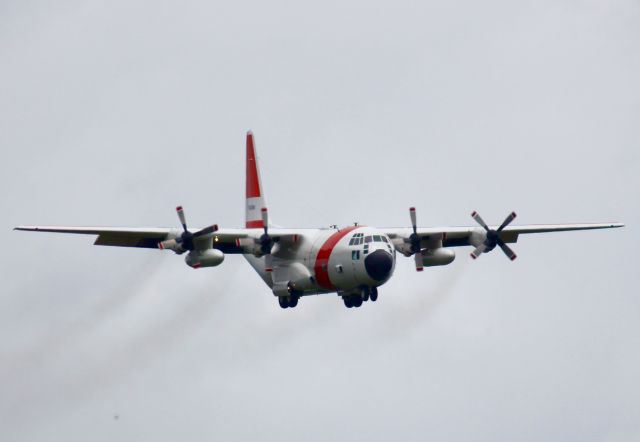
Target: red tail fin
(255, 200)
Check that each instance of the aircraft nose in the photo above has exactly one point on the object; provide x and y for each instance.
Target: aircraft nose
(378, 265)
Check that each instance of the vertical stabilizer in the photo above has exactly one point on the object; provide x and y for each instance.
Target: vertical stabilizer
(255, 200)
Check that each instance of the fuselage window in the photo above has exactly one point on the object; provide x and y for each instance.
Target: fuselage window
(355, 254)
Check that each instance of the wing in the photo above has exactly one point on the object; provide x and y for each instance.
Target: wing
(464, 236)
(143, 237)
(225, 240)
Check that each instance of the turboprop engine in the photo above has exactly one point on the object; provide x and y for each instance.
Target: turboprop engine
(204, 258)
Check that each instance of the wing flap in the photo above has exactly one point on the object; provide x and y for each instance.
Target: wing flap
(127, 240)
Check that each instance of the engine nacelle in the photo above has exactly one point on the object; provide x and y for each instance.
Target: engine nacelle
(205, 258)
(438, 257)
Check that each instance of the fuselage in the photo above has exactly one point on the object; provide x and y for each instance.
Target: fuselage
(329, 260)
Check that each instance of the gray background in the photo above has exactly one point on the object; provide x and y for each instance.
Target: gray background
(112, 113)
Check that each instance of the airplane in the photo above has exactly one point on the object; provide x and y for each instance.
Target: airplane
(351, 261)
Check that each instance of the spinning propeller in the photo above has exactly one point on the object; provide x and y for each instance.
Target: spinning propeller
(493, 237)
(185, 241)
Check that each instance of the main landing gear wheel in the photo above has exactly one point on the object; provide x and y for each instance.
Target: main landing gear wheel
(373, 296)
(352, 301)
(288, 301)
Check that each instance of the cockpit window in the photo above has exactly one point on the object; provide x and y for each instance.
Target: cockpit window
(384, 238)
(356, 239)
(368, 239)
(377, 238)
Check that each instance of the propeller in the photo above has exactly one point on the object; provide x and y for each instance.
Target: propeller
(414, 240)
(185, 241)
(265, 240)
(493, 237)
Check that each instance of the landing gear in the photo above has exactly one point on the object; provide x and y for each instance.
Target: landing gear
(288, 301)
(356, 299)
(352, 301)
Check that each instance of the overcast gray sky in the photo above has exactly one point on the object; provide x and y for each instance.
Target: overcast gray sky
(112, 113)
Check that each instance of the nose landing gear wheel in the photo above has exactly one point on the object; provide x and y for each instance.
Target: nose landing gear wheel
(365, 293)
(283, 302)
(374, 294)
(347, 301)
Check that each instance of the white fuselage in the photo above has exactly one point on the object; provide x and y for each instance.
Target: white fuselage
(329, 260)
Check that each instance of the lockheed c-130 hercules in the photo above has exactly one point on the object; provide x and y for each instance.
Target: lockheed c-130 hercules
(351, 261)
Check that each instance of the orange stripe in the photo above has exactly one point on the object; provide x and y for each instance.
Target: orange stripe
(321, 266)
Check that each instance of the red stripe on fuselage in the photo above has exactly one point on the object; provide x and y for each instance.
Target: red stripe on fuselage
(321, 267)
(253, 184)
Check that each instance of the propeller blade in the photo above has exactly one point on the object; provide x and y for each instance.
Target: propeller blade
(170, 244)
(507, 221)
(265, 219)
(418, 259)
(476, 216)
(182, 218)
(206, 231)
(412, 214)
(268, 263)
(507, 250)
(478, 251)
